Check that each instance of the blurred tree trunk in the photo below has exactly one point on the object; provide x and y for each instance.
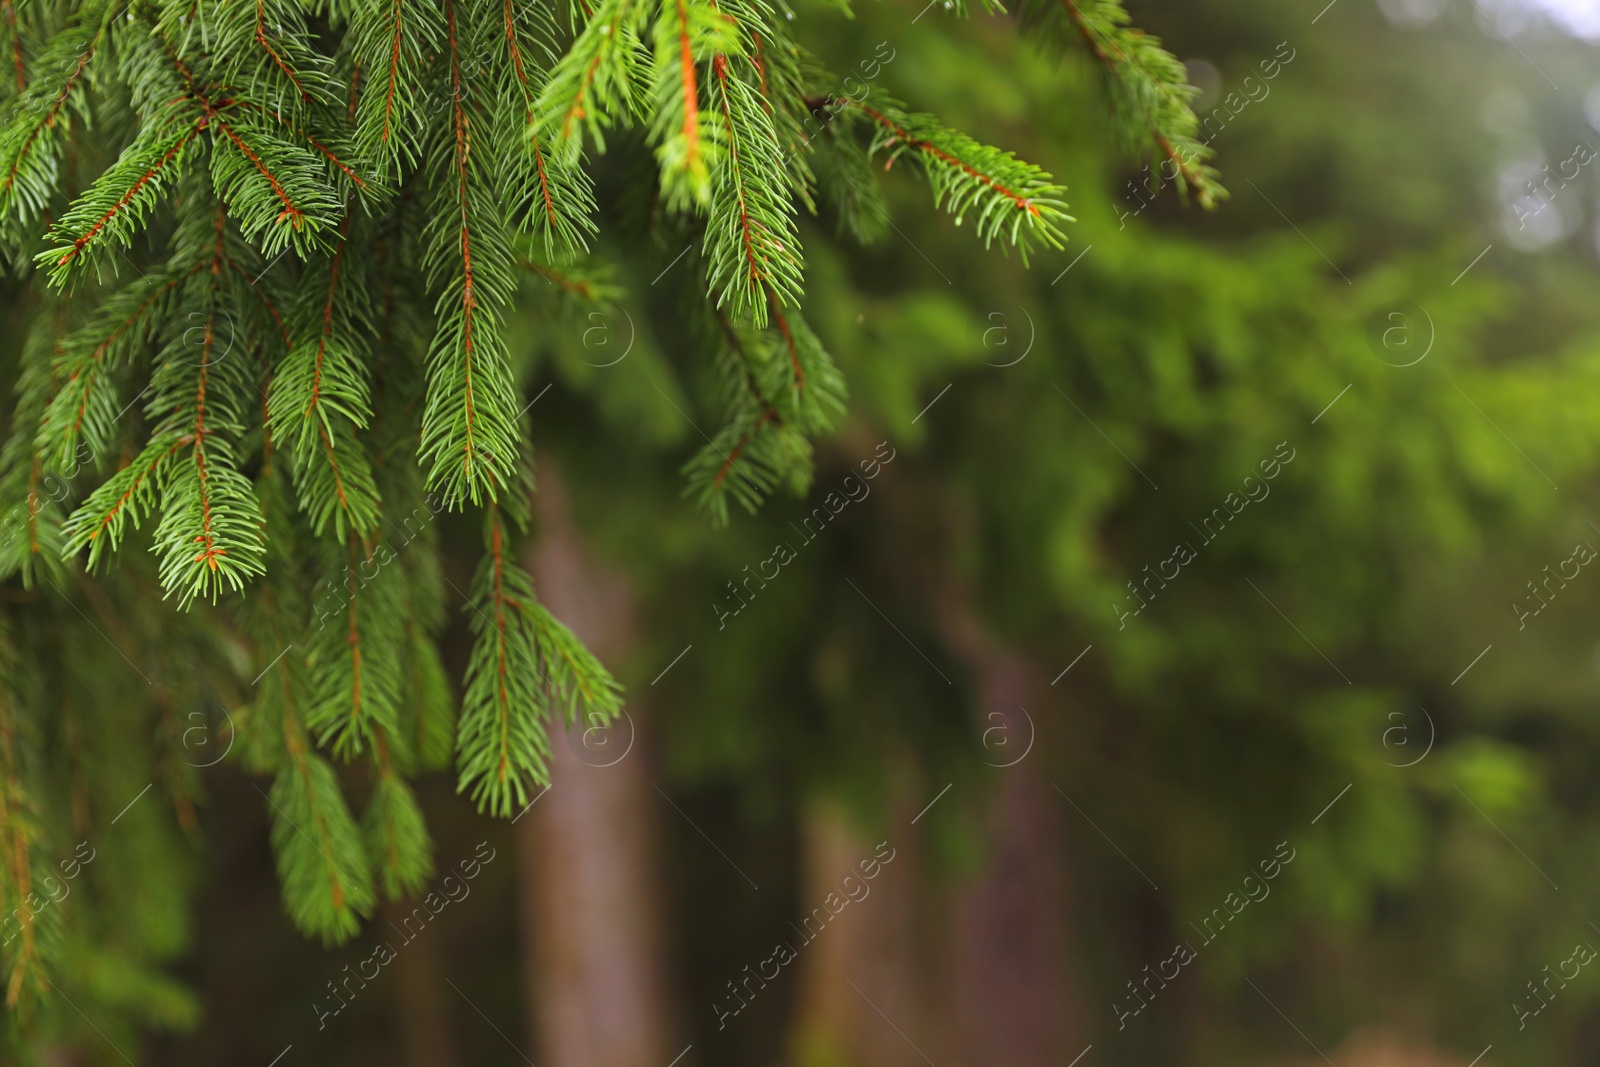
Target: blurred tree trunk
(421, 1008)
(861, 1000)
(1011, 991)
(980, 973)
(984, 972)
(592, 942)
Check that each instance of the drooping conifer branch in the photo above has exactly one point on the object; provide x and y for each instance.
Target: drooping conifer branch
(461, 148)
(746, 377)
(273, 54)
(34, 137)
(320, 399)
(1012, 199)
(1141, 78)
(750, 240)
(115, 206)
(393, 826)
(590, 89)
(468, 437)
(357, 654)
(550, 194)
(338, 162)
(126, 322)
(392, 42)
(526, 668)
(9, 7)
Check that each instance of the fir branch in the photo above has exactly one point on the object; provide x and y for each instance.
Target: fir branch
(751, 242)
(273, 188)
(114, 208)
(784, 387)
(428, 708)
(263, 50)
(36, 486)
(525, 666)
(320, 397)
(14, 32)
(34, 138)
(1142, 79)
(336, 160)
(737, 353)
(391, 40)
(844, 171)
(83, 409)
(100, 522)
(554, 198)
(746, 460)
(1014, 200)
(268, 304)
(395, 832)
(469, 435)
(356, 652)
(687, 33)
(811, 390)
(778, 62)
(209, 536)
(337, 485)
(425, 737)
(270, 731)
(321, 860)
(500, 739)
(461, 130)
(593, 87)
(322, 864)
(272, 53)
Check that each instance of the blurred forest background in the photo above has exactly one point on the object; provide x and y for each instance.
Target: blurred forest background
(1341, 757)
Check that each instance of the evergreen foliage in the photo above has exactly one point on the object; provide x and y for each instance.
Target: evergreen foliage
(1144, 84)
(274, 247)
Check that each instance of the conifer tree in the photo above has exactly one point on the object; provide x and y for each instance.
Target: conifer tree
(265, 253)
